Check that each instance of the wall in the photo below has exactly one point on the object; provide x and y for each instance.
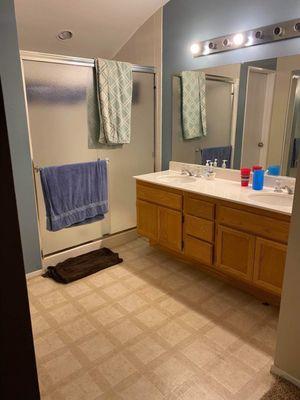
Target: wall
(145, 48)
(14, 103)
(287, 354)
(186, 21)
(285, 66)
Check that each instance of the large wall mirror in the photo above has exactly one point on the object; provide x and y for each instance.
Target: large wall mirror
(247, 114)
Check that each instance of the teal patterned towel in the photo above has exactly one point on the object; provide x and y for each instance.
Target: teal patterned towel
(114, 92)
(193, 104)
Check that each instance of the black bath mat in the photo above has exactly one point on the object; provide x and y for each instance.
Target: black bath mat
(78, 267)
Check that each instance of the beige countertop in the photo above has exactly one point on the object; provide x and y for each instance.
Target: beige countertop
(224, 189)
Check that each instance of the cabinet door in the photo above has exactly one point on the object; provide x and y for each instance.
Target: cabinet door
(147, 219)
(235, 252)
(170, 228)
(269, 264)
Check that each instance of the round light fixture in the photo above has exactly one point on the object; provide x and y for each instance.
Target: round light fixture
(238, 39)
(195, 48)
(64, 35)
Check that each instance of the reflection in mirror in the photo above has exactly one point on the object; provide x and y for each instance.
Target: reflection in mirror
(251, 115)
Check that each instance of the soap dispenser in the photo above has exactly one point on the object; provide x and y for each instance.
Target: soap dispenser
(224, 164)
(216, 163)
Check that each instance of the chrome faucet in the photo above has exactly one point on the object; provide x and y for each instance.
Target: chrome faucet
(278, 188)
(186, 172)
(289, 189)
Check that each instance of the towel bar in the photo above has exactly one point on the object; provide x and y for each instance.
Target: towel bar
(37, 169)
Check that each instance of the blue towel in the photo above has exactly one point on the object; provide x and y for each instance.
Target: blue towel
(221, 153)
(75, 194)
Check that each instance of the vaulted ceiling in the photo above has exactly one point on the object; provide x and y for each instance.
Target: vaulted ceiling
(100, 27)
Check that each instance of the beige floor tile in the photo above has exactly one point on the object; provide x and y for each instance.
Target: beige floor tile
(125, 331)
(101, 279)
(195, 319)
(171, 374)
(61, 367)
(151, 316)
(252, 356)
(41, 286)
(91, 301)
(79, 328)
(96, 347)
(47, 343)
(82, 388)
(116, 290)
(39, 324)
(132, 302)
(173, 333)
(221, 337)
(65, 313)
(172, 306)
(77, 289)
(199, 353)
(147, 350)
(149, 338)
(152, 292)
(229, 374)
(142, 389)
(52, 299)
(107, 315)
(199, 391)
(242, 321)
(116, 369)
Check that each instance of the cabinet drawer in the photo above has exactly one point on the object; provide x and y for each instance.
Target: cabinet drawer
(159, 196)
(198, 250)
(199, 228)
(199, 208)
(250, 222)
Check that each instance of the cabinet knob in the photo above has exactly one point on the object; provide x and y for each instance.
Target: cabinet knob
(260, 144)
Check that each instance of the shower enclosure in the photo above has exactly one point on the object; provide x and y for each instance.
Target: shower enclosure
(64, 123)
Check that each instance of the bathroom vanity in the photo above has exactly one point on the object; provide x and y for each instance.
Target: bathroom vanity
(219, 226)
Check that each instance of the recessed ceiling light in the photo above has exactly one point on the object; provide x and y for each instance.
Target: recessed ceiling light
(64, 35)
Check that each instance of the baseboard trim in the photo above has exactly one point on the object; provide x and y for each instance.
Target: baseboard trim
(110, 241)
(34, 274)
(282, 374)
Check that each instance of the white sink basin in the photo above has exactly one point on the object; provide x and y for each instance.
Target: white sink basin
(177, 178)
(277, 199)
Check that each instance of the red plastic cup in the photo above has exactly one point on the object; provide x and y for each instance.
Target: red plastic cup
(256, 167)
(245, 176)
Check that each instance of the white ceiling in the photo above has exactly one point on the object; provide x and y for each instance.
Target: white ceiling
(100, 27)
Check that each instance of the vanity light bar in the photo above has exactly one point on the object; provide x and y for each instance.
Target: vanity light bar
(264, 34)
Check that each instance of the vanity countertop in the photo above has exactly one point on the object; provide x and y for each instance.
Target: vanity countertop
(224, 189)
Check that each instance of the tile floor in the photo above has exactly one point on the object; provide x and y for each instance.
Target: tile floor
(150, 328)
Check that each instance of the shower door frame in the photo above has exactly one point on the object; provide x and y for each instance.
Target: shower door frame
(87, 62)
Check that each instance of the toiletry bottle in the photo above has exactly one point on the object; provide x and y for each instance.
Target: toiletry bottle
(211, 167)
(206, 169)
(224, 164)
(216, 162)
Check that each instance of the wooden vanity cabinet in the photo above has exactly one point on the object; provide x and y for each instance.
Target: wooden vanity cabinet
(240, 243)
(159, 216)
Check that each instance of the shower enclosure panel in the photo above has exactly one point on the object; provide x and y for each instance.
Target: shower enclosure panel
(64, 125)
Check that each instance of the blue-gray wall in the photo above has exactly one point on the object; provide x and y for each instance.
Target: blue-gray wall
(186, 21)
(14, 102)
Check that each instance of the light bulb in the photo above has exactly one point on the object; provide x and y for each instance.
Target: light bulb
(238, 39)
(249, 41)
(195, 48)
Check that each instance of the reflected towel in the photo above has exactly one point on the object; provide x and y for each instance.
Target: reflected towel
(114, 93)
(75, 194)
(295, 153)
(219, 153)
(193, 104)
